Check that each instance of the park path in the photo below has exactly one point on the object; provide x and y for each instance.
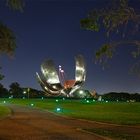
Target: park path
(33, 124)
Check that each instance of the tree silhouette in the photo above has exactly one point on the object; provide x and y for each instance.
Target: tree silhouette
(3, 91)
(7, 36)
(116, 18)
(15, 90)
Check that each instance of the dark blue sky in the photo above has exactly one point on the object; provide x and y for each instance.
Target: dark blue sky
(51, 30)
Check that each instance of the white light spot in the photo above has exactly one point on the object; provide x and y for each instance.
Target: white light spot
(87, 101)
(81, 91)
(58, 109)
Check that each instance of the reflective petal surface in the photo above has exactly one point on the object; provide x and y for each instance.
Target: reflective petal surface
(50, 80)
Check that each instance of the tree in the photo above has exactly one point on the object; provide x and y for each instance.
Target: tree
(7, 36)
(16, 4)
(122, 96)
(3, 91)
(16, 90)
(115, 19)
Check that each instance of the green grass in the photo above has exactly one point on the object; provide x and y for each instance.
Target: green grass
(113, 134)
(111, 112)
(4, 111)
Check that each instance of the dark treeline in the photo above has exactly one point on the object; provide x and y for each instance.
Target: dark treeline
(122, 96)
(15, 91)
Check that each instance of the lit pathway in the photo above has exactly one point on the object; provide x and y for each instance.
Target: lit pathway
(33, 124)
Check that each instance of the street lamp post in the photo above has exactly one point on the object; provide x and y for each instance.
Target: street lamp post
(28, 92)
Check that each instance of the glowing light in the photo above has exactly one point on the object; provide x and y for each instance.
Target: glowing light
(56, 100)
(4, 102)
(54, 86)
(63, 98)
(24, 92)
(42, 98)
(81, 91)
(87, 101)
(59, 67)
(58, 109)
(106, 101)
(93, 100)
(23, 97)
(62, 71)
(32, 104)
(10, 97)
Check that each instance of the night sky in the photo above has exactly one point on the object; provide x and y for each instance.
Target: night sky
(50, 29)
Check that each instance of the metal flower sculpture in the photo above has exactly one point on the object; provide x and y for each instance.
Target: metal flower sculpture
(52, 82)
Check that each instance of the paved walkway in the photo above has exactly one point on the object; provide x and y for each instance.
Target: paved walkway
(33, 124)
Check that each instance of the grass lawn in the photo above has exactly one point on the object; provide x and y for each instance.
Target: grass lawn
(4, 111)
(111, 112)
(113, 135)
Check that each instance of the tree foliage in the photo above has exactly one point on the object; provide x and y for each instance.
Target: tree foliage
(7, 36)
(122, 96)
(16, 4)
(15, 89)
(3, 91)
(115, 19)
(7, 40)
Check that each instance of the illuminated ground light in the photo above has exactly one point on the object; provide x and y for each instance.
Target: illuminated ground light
(4, 102)
(56, 100)
(106, 101)
(87, 101)
(32, 104)
(58, 109)
(63, 98)
(42, 98)
(93, 100)
(23, 97)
